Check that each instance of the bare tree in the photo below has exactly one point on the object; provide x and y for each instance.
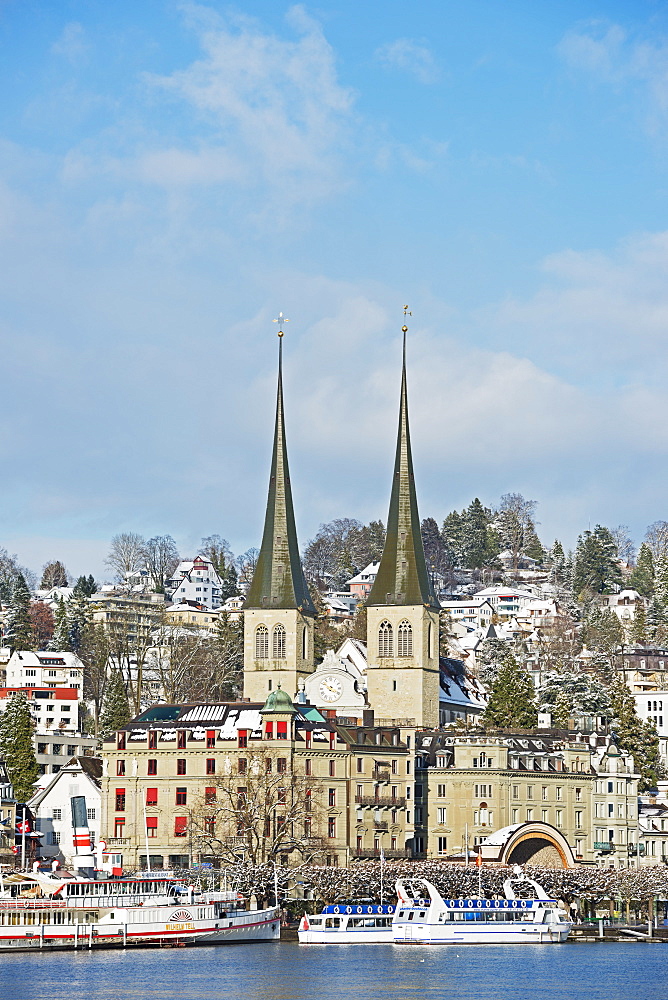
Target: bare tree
(246, 564)
(162, 558)
(195, 664)
(514, 518)
(130, 636)
(626, 550)
(127, 554)
(94, 652)
(259, 809)
(218, 550)
(54, 574)
(656, 539)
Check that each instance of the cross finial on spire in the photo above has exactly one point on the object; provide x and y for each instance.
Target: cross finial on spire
(280, 319)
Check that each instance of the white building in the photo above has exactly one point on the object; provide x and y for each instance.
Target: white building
(53, 709)
(652, 706)
(624, 605)
(52, 809)
(27, 669)
(506, 601)
(196, 581)
(475, 612)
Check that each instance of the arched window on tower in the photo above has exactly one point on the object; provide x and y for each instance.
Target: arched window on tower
(261, 642)
(430, 640)
(385, 644)
(405, 639)
(278, 643)
(304, 642)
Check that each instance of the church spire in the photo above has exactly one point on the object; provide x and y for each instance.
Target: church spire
(402, 575)
(278, 581)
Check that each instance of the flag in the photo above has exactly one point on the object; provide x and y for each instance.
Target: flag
(478, 860)
(23, 827)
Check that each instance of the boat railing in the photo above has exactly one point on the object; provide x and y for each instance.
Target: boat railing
(32, 904)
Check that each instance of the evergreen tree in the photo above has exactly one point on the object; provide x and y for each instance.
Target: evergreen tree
(602, 630)
(229, 583)
(452, 534)
(479, 543)
(16, 746)
(642, 577)
(434, 548)
(512, 702)
(661, 582)
(532, 544)
(639, 625)
(19, 631)
(571, 693)
(79, 615)
(85, 586)
(60, 640)
(116, 709)
(657, 622)
(636, 737)
(597, 568)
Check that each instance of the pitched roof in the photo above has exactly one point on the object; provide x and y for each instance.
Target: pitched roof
(402, 576)
(278, 581)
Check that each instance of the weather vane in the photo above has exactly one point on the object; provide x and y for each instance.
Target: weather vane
(280, 319)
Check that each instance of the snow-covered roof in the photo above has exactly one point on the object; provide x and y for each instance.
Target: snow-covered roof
(363, 576)
(502, 836)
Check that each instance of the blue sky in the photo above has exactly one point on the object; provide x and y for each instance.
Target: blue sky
(172, 175)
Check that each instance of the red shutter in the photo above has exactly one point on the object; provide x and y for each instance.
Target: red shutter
(269, 731)
(151, 822)
(282, 730)
(180, 826)
(151, 796)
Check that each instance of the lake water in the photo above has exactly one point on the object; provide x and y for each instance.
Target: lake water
(286, 971)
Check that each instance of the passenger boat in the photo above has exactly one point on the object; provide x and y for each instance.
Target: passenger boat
(48, 911)
(423, 917)
(348, 923)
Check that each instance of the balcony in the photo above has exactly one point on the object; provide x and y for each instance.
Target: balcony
(381, 801)
(363, 852)
(118, 842)
(604, 845)
(381, 774)
(382, 827)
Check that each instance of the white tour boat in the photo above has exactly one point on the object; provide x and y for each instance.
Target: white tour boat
(423, 917)
(42, 911)
(348, 923)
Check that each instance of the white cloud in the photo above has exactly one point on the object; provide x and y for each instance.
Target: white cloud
(72, 43)
(275, 112)
(409, 56)
(613, 55)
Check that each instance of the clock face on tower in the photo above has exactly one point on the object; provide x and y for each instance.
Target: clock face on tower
(330, 688)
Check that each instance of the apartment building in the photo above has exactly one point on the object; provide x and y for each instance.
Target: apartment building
(579, 786)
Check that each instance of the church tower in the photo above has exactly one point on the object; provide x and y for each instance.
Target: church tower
(402, 609)
(278, 613)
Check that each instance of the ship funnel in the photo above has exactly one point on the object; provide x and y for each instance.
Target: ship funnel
(83, 859)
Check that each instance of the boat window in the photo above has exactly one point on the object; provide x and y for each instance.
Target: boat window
(411, 915)
(333, 922)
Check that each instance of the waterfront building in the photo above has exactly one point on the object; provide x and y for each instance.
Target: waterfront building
(469, 786)
(255, 781)
(52, 809)
(7, 817)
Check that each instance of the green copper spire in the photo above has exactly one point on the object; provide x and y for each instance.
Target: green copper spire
(278, 581)
(402, 575)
